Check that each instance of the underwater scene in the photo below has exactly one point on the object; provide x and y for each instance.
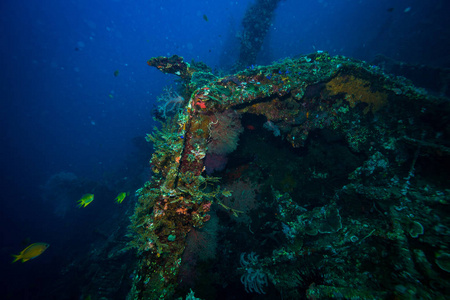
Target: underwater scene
(252, 149)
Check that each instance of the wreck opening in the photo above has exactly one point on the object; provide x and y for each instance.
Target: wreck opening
(313, 171)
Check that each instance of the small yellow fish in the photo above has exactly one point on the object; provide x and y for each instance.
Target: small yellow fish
(30, 252)
(85, 200)
(121, 197)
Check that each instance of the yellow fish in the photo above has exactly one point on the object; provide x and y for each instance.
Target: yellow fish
(85, 200)
(30, 252)
(121, 197)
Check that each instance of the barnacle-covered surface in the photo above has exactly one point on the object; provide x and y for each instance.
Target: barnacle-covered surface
(331, 172)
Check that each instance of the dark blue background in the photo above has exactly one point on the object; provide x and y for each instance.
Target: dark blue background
(62, 108)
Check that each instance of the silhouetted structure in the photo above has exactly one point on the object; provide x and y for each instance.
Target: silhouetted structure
(256, 23)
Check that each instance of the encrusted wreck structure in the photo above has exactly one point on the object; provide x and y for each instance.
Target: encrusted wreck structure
(313, 178)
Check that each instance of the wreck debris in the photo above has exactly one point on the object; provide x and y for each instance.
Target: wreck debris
(330, 181)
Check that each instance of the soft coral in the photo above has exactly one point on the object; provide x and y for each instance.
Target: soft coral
(172, 101)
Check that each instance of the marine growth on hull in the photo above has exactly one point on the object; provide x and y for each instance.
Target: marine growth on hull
(313, 178)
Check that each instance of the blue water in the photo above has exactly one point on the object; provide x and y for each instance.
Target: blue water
(64, 110)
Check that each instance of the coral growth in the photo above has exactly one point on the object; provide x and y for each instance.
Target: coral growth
(357, 90)
(243, 199)
(269, 125)
(171, 101)
(254, 279)
(341, 232)
(203, 241)
(201, 244)
(215, 162)
(225, 129)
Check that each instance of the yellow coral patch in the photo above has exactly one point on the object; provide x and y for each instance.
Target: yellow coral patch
(357, 90)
